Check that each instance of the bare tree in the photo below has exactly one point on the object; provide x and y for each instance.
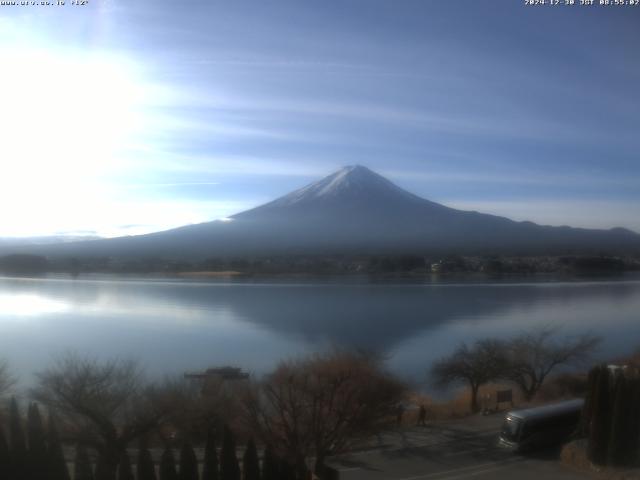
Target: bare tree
(322, 404)
(475, 365)
(533, 355)
(194, 408)
(105, 405)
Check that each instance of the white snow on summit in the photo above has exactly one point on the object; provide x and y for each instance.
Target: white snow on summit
(351, 180)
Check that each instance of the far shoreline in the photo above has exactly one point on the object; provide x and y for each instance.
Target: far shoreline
(408, 278)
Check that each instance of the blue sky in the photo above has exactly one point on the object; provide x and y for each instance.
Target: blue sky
(123, 117)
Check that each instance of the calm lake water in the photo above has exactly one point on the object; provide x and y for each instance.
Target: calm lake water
(181, 325)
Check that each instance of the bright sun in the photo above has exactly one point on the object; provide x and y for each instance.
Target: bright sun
(63, 120)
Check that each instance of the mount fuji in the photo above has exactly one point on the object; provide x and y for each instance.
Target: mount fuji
(356, 211)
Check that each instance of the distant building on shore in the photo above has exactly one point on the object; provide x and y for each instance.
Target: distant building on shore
(219, 373)
(218, 381)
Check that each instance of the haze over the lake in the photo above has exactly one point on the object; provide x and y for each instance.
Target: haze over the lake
(129, 117)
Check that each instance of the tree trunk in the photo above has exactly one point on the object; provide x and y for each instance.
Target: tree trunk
(475, 408)
(529, 392)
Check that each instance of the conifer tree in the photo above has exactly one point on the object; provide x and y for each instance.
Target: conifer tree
(56, 461)
(82, 465)
(19, 454)
(287, 472)
(270, 470)
(625, 427)
(5, 457)
(250, 462)
(210, 467)
(168, 466)
(600, 426)
(587, 409)
(634, 418)
(188, 463)
(18, 443)
(124, 468)
(619, 422)
(103, 469)
(229, 468)
(145, 468)
(37, 443)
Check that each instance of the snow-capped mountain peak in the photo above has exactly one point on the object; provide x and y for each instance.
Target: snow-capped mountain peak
(348, 183)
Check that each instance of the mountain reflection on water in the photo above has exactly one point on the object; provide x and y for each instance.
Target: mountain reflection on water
(174, 326)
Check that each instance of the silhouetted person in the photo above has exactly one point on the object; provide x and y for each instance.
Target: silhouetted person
(422, 416)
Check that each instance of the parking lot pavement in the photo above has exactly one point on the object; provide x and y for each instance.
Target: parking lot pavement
(448, 452)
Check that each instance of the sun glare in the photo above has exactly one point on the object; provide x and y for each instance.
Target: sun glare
(64, 119)
(24, 305)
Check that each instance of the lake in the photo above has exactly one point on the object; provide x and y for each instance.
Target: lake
(173, 326)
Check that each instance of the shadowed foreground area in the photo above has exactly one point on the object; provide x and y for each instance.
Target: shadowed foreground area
(447, 451)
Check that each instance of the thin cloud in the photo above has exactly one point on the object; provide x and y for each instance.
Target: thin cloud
(168, 185)
(518, 178)
(523, 126)
(176, 162)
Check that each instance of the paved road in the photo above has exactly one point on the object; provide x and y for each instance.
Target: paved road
(448, 452)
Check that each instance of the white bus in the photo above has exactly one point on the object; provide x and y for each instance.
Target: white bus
(539, 427)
